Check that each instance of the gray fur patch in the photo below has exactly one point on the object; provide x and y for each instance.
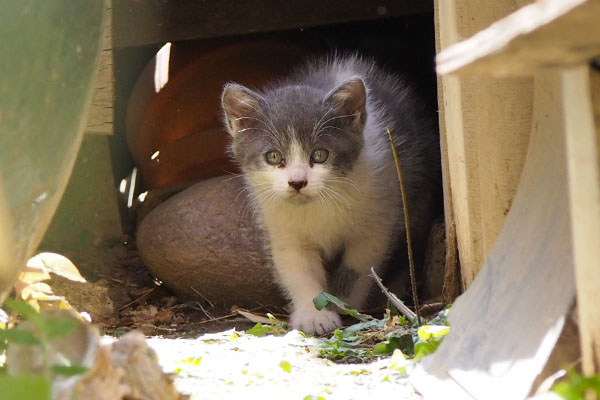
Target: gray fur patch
(342, 282)
(300, 113)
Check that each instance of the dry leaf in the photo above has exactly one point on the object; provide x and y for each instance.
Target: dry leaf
(33, 275)
(256, 317)
(57, 264)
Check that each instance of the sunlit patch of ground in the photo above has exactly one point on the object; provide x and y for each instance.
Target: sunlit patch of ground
(234, 365)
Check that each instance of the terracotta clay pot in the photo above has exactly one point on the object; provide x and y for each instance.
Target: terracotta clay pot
(174, 120)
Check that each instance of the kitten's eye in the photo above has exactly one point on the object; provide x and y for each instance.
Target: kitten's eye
(319, 156)
(274, 157)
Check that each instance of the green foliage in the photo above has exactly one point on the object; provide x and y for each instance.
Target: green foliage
(424, 348)
(576, 386)
(324, 299)
(25, 309)
(188, 365)
(344, 344)
(18, 336)
(68, 370)
(30, 387)
(48, 327)
(286, 366)
(42, 329)
(384, 337)
(56, 327)
(313, 397)
(261, 330)
(398, 339)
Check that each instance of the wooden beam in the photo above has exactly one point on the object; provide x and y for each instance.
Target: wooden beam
(142, 22)
(504, 327)
(452, 287)
(485, 131)
(101, 115)
(583, 161)
(546, 34)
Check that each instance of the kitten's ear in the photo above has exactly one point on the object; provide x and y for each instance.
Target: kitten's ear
(239, 104)
(351, 99)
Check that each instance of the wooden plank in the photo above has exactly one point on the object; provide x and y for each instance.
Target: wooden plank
(452, 286)
(504, 327)
(101, 114)
(141, 22)
(582, 140)
(487, 124)
(9, 267)
(546, 34)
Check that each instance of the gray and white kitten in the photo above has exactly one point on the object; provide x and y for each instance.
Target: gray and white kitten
(318, 164)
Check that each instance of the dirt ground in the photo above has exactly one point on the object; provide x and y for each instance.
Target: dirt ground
(234, 365)
(205, 346)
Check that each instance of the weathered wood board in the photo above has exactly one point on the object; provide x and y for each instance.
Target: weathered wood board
(582, 141)
(548, 33)
(101, 114)
(505, 325)
(485, 130)
(551, 35)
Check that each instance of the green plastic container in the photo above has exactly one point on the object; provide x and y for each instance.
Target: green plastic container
(49, 51)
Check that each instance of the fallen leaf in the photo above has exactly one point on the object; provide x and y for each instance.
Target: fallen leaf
(57, 264)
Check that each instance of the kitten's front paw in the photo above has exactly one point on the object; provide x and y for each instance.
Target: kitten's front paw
(315, 321)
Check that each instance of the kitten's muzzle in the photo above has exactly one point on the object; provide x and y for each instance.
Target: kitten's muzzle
(297, 185)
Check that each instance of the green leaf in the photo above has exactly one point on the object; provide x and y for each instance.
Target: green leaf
(576, 386)
(324, 299)
(53, 327)
(313, 397)
(373, 324)
(259, 330)
(425, 348)
(286, 366)
(69, 370)
(25, 309)
(19, 336)
(192, 360)
(25, 387)
(384, 348)
(320, 302)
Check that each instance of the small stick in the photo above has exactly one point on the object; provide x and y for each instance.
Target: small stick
(217, 318)
(411, 261)
(395, 300)
(136, 300)
(203, 310)
(201, 295)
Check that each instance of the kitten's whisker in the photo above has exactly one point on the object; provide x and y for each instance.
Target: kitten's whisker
(234, 176)
(270, 123)
(318, 126)
(335, 196)
(343, 180)
(341, 116)
(329, 126)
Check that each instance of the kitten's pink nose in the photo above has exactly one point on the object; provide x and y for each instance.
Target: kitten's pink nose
(297, 185)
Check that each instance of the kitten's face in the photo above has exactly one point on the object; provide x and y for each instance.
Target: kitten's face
(296, 143)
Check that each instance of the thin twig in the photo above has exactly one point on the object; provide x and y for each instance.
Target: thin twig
(400, 306)
(158, 328)
(203, 310)
(138, 299)
(411, 261)
(201, 295)
(218, 318)
(234, 314)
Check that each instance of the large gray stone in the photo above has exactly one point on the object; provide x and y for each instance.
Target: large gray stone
(203, 240)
